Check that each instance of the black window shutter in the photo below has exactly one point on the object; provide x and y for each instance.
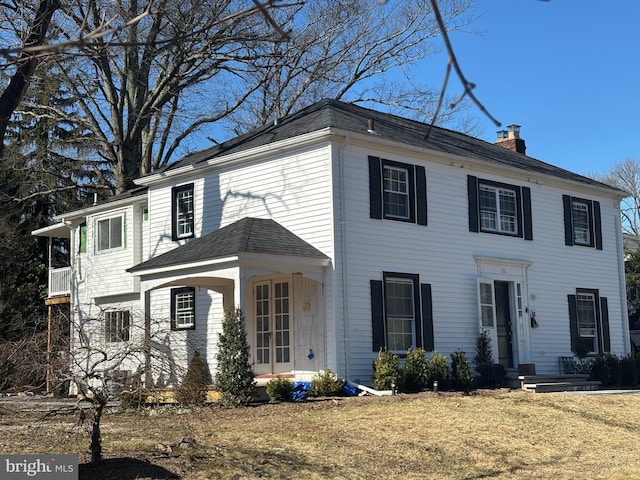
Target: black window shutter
(421, 194)
(375, 188)
(597, 225)
(604, 317)
(526, 213)
(427, 318)
(377, 315)
(172, 314)
(568, 224)
(573, 322)
(472, 189)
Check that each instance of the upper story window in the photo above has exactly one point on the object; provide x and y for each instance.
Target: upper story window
(117, 325)
(183, 308)
(499, 208)
(582, 222)
(82, 238)
(182, 212)
(110, 232)
(398, 191)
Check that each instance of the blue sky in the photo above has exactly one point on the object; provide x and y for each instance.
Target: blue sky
(567, 71)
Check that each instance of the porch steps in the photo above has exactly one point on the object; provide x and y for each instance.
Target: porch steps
(557, 383)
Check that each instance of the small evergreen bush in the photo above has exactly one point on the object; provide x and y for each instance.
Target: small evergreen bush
(483, 359)
(461, 377)
(438, 371)
(386, 370)
(326, 384)
(193, 390)
(279, 389)
(607, 369)
(629, 370)
(415, 372)
(234, 376)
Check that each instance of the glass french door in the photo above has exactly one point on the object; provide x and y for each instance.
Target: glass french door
(273, 327)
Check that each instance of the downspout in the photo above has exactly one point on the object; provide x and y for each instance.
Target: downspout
(343, 257)
(623, 285)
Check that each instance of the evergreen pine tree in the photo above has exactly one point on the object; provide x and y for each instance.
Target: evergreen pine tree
(193, 390)
(234, 377)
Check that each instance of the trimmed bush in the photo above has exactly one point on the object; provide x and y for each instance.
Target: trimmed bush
(234, 376)
(438, 371)
(629, 370)
(483, 359)
(193, 390)
(386, 370)
(415, 372)
(607, 369)
(326, 384)
(461, 377)
(279, 389)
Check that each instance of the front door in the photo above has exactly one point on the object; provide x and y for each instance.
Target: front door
(503, 324)
(273, 327)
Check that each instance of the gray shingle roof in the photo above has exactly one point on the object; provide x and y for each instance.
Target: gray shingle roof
(249, 235)
(354, 118)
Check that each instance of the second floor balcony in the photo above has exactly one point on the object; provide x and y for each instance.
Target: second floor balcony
(59, 281)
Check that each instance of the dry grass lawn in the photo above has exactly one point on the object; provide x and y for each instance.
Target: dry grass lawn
(500, 434)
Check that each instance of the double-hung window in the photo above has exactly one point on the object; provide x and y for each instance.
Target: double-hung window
(397, 191)
(110, 233)
(499, 208)
(117, 326)
(588, 322)
(401, 313)
(182, 212)
(183, 308)
(582, 222)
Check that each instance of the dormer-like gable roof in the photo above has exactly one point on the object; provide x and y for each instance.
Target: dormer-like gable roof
(248, 235)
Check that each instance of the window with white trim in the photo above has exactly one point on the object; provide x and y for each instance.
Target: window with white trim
(498, 209)
(582, 222)
(183, 308)
(396, 192)
(110, 233)
(183, 211)
(117, 326)
(580, 212)
(400, 313)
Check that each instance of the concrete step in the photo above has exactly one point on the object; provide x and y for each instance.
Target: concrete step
(549, 387)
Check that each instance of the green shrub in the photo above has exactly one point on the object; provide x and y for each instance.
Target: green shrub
(629, 370)
(607, 369)
(193, 390)
(438, 371)
(279, 389)
(483, 359)
(326, 384)
(414, 376)
(461, 377)
(386, 370)
(234, 376)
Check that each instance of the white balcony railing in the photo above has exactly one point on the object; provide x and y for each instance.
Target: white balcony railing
(59, 281)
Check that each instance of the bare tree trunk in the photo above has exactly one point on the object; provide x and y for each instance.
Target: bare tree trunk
(27, 63)
(99, 402)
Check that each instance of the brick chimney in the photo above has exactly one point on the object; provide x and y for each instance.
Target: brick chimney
(510, 139)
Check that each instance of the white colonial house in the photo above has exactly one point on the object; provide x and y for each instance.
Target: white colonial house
(340, 230)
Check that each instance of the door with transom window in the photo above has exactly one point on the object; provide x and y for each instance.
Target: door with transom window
(273, 329)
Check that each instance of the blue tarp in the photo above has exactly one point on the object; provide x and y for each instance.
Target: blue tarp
(300, 391)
